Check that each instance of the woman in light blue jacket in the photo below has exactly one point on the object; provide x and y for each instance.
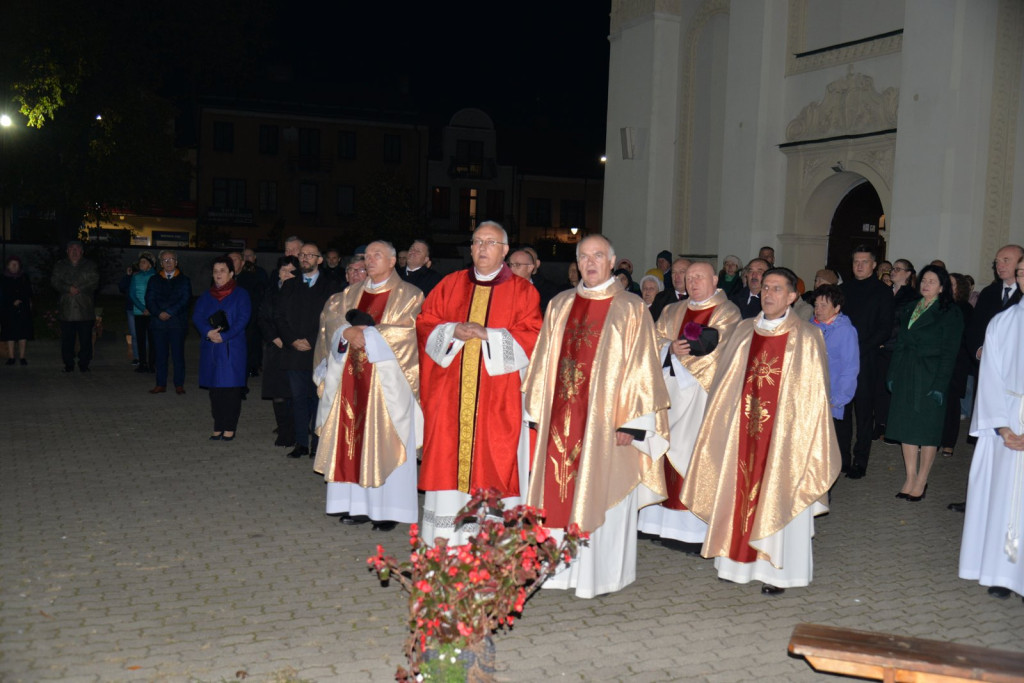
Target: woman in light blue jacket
(843, 354)
(137, 294)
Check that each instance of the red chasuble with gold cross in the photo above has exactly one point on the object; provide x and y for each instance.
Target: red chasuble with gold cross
(569, 407)
(673, 478)
(760, 404)
(355, 391)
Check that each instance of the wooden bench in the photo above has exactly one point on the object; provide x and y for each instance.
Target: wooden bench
(892, 658)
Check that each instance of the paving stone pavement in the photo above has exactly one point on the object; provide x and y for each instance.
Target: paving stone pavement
(134, 549)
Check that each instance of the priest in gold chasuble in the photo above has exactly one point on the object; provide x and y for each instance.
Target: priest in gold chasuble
(476, 332)
(766, 454)
(688, 371)
(601, 421)
(367, 372)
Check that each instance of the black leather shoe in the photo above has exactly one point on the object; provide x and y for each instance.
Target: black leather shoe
(356, 519)
(999, 592)
(216, 437)
(284, 443)
(902, 495)
(384, 526)
(768, 589)
(298, 452)
(855, 473)
(644, 536)
(691, 549)
(957, 507)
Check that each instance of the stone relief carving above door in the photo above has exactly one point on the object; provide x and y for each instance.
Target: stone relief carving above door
(851, 106)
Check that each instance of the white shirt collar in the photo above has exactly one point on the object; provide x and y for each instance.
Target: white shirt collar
(770, 325)
(603, 285)
(486, 278)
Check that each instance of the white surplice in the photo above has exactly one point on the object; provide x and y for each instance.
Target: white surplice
(991, 551)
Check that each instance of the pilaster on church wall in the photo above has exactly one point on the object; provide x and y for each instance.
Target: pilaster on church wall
(642, 100)
(943, 141)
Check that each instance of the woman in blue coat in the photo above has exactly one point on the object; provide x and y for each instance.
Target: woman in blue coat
(221, 315)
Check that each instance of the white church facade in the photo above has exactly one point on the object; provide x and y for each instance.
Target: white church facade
(814, 125)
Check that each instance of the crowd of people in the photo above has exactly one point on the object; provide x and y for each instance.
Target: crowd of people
(711, 411)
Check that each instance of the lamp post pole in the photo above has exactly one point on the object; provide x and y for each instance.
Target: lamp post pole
(5, 123)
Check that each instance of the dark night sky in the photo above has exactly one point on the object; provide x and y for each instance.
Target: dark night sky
(539, 69)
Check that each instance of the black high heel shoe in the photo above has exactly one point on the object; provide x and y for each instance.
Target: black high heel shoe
(902, 495)
(918, 499)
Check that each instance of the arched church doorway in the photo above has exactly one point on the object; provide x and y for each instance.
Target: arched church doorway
(855, 222)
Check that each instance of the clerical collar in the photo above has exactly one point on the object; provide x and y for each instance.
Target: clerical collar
(603, 285)
(701, 303)
(770, 325)
(409, 270)
(486, 278)
(376, 285)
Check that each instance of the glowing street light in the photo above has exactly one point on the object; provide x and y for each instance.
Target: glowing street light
(5, 121)
(604, 159)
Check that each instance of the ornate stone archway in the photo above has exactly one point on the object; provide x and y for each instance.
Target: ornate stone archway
(832, 146)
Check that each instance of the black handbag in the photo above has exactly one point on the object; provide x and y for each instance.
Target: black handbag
(219, 320)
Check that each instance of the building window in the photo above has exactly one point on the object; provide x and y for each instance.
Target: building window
(268, 195)
(223, 136)
(392, 149)
(346, 200)
(441, 202)
(346, 144)
(538, 212)
(571, 213)
(309, 149)
(269, 136)
(495, 205)
(307, 198)
(468, 200)
(228, 193)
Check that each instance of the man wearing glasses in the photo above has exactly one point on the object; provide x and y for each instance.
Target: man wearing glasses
(476, 332)
(355, 271)
(298, 324)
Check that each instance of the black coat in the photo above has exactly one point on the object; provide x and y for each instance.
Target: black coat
(275, 381)
(663, 299)
(990, 302)
(869, 305)
(424, 278)
(748, 309)
(298, 317)
(15, 321)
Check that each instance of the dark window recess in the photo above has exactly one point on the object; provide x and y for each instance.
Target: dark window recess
(346, 144)
(346, 200)
(571, 213)
(441, 202)
(268, 196)
(223, 136)
(228, 193)
(307, 198)
(269, 137)
(392, 149)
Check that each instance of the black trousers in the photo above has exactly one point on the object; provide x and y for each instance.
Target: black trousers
(304, 405)
(147, 354)
(862, 409)
(226, 406)
(69, 331)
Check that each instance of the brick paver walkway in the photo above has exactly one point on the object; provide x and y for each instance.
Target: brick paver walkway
(133, 549)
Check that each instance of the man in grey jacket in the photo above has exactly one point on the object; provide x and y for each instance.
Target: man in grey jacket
(76, 280)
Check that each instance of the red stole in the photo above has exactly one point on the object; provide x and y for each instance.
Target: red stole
(355, 394)
(569, 407)
(760, 401)
(674, 479)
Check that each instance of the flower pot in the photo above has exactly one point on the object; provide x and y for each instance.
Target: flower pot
(456, 662)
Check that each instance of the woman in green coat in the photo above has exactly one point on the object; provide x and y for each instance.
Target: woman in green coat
(922, 366)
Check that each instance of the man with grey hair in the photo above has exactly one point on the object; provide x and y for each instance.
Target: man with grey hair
(76, 279)
(292, 246)
(476, 332)
(601, 421)
(417, 270)
(366, 367)
(675, 293)
(167, 298)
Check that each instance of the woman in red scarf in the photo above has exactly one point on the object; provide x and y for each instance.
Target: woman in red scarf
(221, 315)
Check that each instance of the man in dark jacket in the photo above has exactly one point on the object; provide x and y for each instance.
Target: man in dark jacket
(869, 307)
(167, 297)
(748, 299)
(417, 269)
(76, 280)
(298, 324)
(995, 298)
(675, 292)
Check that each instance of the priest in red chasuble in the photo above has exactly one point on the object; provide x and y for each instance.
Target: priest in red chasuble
(594, 391)
(688, 366)
(476, 332)
(767, 453)
(367, 372)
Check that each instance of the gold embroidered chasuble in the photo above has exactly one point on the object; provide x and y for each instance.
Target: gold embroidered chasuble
(724, 318)
(382, 449)
(622, 389)
(802, 458)
(717, 312)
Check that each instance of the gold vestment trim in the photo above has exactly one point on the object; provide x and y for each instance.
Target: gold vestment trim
(468, 393)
